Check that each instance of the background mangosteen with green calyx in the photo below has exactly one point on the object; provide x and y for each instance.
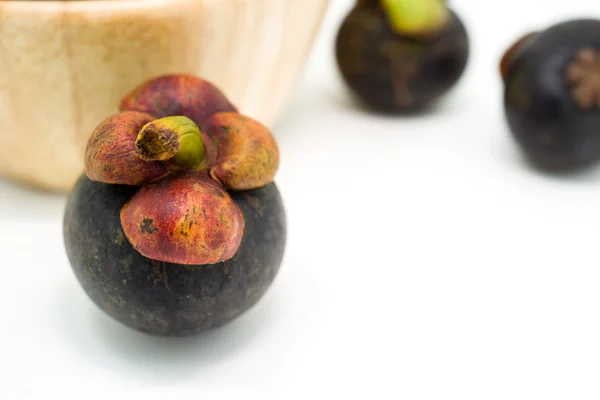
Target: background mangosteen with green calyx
(401, 55)
(552, 95)
(176, 226)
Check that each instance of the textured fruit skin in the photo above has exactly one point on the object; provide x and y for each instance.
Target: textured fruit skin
(162, 298)
(185, 218)
(178, 94)
(248, 155)
(553, 132)
(389, 72)
(110, 154)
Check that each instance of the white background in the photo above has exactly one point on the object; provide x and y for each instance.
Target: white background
(425, 261)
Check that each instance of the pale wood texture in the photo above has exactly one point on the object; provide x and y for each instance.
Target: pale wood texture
(66, 65)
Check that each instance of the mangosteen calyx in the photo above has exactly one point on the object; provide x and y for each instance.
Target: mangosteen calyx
(184, 165)
(584, 74)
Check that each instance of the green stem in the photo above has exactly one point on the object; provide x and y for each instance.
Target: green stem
(174, 139)
(416, 17)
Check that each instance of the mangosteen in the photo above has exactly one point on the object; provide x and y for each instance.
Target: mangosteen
(176, 225)
(401, 56)
(551, 83)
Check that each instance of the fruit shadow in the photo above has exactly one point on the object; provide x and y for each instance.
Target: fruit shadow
(26, 201)
(137, 356)
(343, 99)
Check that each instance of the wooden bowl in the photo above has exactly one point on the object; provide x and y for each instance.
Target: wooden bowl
(66, 65)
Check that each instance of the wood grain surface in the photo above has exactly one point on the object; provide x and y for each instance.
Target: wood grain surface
(66, 65)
